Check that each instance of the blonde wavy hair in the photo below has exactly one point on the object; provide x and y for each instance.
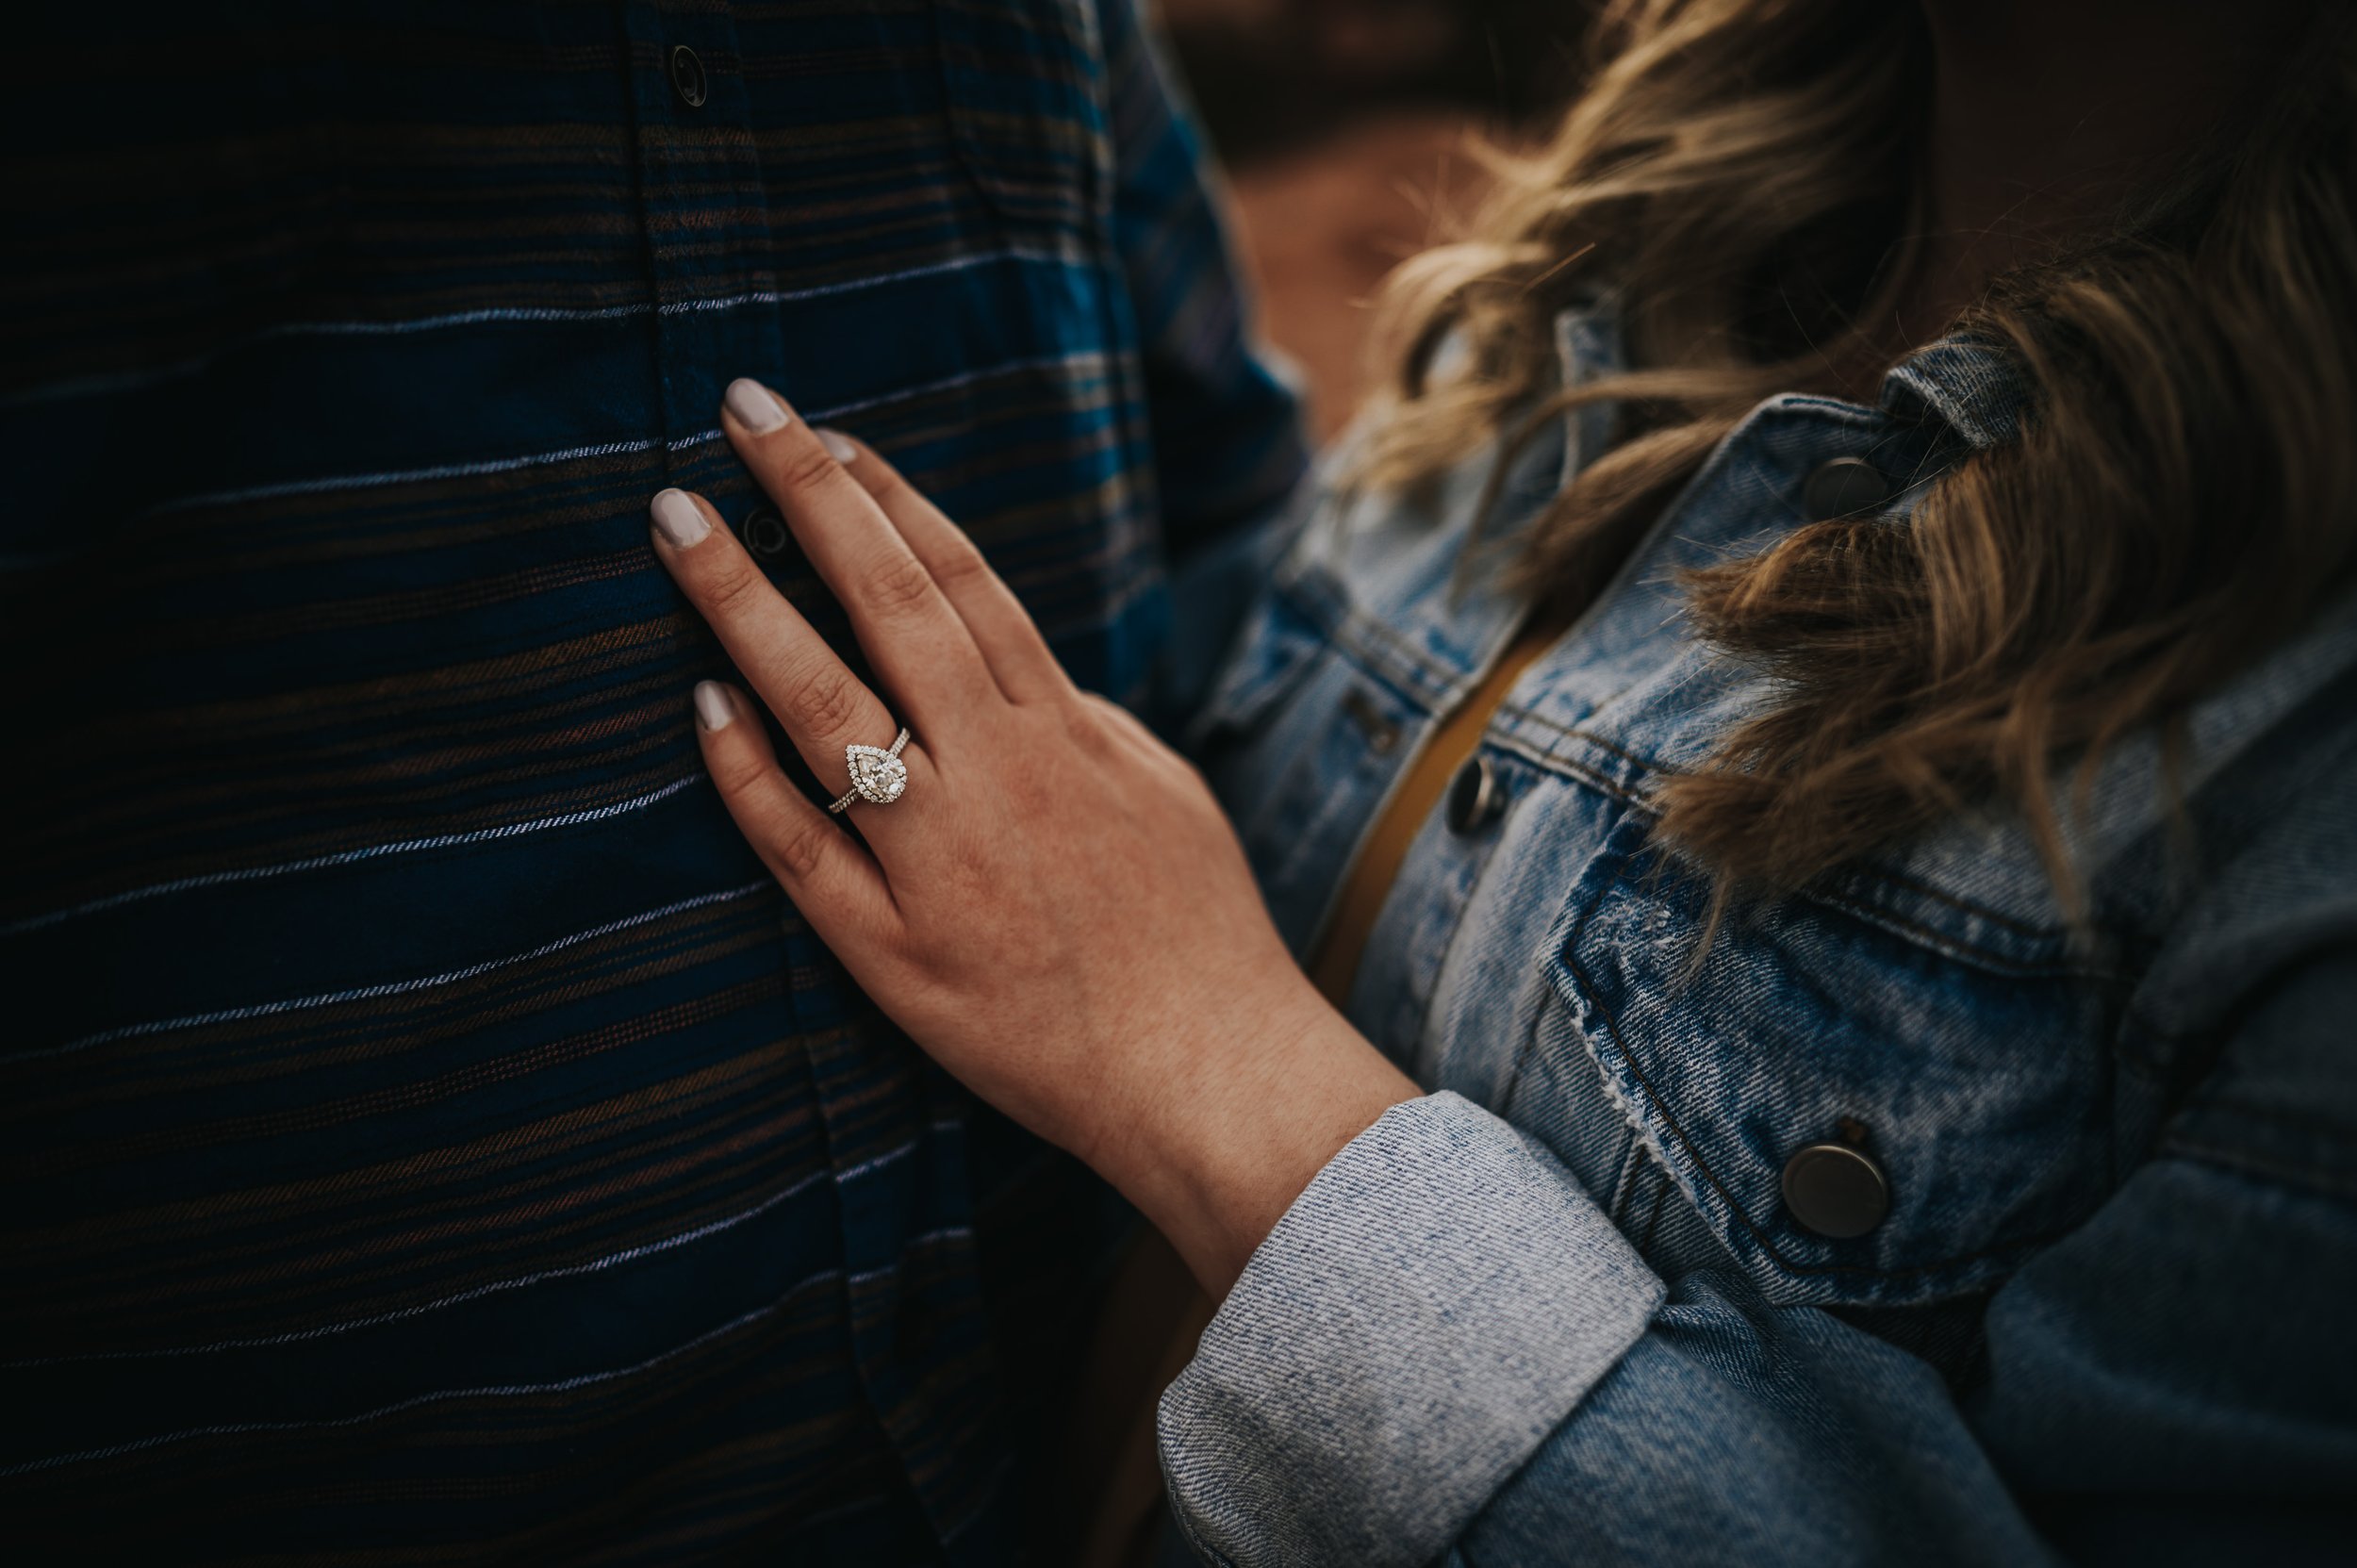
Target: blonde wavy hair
(1743, 176)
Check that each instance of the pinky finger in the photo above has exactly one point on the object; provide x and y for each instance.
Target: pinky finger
(832, 879)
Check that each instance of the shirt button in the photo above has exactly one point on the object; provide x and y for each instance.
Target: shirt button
(1843, 486)
(1836, 1190)
(687, 76)
(766, 535)
(1475, 798)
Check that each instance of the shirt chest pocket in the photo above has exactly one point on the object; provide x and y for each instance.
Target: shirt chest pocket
(1866, 1108)
(1024, 83)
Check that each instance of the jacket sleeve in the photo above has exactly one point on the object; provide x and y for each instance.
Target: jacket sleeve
(1445, 1348)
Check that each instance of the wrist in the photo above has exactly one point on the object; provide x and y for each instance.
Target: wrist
(1226, 1140)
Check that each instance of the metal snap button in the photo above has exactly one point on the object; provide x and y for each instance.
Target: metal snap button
(1836, 1190)
(766, 535)
(687, 76)
(1843, 487)
(1474, 798)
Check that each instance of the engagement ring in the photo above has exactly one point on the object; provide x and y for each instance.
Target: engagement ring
(878, 776)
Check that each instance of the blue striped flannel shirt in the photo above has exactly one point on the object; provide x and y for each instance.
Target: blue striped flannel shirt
(429, 1136)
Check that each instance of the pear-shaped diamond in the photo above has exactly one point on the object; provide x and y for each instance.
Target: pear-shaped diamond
(876, 773)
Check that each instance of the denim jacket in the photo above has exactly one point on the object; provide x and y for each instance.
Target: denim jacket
(1907, 1222)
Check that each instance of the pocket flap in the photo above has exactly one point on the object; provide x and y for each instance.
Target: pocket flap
(1978, 1089)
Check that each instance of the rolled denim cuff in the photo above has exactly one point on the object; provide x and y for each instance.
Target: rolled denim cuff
(1436, 1301)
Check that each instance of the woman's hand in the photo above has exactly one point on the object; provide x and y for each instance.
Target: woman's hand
(1055, 908)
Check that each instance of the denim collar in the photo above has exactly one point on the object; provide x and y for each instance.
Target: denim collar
(1968, 384)
(1971, 385)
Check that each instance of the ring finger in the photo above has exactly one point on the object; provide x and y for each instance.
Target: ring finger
(823, 706)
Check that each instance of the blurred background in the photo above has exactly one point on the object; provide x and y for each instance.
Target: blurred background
(1344, 125)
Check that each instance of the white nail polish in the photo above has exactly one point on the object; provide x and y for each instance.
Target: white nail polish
(679, 518)
(838, 445)
(756, 407)
(713, 708)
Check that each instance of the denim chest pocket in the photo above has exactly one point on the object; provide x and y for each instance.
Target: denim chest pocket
(1023, 81)
(1291, 745)
(1831, 1064)
(1274, 650)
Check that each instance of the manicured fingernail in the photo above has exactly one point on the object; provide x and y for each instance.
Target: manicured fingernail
(713, 708)
(679, 516)
(756, 407)
(838, 445)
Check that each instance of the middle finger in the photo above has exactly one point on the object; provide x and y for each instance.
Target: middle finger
(913, 638)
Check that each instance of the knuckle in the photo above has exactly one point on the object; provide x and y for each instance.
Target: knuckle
(923, 962)
(801, 848)
(1089, 725)
(805, 465)
(898, 584)
(958, 564)
(885, 483)
(826, 699)
(733, 588)
(737, 774)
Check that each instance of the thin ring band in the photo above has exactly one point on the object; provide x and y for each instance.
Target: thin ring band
(878, 782)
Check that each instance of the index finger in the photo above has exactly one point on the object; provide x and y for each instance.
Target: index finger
(913, 638)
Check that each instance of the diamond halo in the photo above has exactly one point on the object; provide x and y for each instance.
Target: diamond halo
(878, 774)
